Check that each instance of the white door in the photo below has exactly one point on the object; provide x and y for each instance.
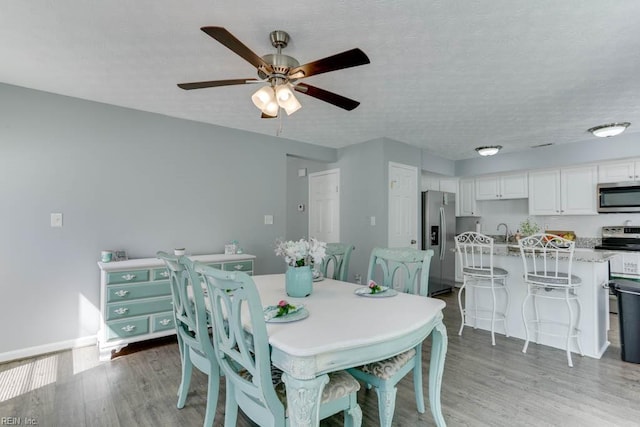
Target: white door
(403, 205)
(324, 205)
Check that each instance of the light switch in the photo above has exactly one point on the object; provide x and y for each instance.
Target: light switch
(372, 220)
(56, 220)
(268, 219)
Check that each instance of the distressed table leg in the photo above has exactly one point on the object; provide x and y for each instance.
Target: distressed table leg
(303, 399)
(436, 369)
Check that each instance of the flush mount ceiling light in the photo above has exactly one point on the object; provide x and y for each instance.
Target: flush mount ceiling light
(611, 129)
(489, 150)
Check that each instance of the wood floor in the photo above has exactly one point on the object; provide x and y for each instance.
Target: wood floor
(482, 386)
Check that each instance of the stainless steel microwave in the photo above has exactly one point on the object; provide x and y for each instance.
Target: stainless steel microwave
(619, 197)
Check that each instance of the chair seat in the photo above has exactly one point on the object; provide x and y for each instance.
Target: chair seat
(561, 279)
(340, 384)
(485, 272)
(387, 368)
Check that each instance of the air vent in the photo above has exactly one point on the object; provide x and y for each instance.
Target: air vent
(542, 145)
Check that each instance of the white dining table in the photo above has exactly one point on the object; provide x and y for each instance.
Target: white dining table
(345, 330)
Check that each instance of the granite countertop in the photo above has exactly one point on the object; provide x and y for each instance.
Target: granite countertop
(579, 255)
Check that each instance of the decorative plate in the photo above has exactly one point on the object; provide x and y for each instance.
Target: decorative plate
(299, 314)
(364, 291)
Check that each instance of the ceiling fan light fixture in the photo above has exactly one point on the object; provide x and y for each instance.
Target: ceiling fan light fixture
(286, 99)
(612, 129)
(489, 150)
(271, 109)
(263, 97)
(283, 94)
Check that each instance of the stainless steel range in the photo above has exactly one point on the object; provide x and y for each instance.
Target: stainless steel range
(620, 238)
(626, 265)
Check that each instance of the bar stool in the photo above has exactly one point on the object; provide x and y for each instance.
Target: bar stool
(542, 255)
(475, 252)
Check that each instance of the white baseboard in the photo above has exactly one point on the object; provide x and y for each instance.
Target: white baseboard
(48, 348)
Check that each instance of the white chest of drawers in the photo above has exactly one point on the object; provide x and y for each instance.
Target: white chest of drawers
(135, 298)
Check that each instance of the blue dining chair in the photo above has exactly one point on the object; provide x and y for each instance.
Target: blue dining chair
(192, 330)
(252, 383)
(336, 261)
(408, 270)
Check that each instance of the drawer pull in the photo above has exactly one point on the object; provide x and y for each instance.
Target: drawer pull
(165, 322)
(238, 266)
(128, 328)
(129, 277)
(121, 310)
(121, 293)
(164, 274)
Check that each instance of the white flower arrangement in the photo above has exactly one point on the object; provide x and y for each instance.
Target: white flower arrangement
(301, 253)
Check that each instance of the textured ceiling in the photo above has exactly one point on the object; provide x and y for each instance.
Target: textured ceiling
(447, 76)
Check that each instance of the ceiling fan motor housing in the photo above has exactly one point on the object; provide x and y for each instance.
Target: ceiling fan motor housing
(280, 63)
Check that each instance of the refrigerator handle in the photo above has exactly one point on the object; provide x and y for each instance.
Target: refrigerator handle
(443, 233)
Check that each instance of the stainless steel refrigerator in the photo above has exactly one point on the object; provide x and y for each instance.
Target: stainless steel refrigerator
(438, 233)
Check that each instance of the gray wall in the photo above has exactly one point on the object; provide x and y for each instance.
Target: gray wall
(364, 171)
(123, 179)
(142, 182)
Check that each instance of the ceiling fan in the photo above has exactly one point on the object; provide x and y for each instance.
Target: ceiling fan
(282, 73)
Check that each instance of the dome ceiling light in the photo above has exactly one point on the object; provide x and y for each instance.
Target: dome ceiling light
(489, 150)
(612, 129)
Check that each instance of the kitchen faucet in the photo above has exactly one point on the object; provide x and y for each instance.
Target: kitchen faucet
(506, 231)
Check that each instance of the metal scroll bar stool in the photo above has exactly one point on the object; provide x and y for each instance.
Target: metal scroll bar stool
(475, 252)
(543, 255)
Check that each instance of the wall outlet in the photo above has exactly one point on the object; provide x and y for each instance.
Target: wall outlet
(268, 219)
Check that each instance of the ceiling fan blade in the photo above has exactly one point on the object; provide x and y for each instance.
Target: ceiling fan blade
(216, 83)
(227, 39)
(350, 58)
(326, 96)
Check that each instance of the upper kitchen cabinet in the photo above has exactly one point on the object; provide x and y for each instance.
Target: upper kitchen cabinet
(566, 191)
(499, 187)
(628, 170)
(466, 204)
(439, 183)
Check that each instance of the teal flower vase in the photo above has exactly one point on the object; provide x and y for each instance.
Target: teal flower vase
(299, 281)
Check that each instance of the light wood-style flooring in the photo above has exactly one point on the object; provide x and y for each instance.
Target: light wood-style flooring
(482, 386)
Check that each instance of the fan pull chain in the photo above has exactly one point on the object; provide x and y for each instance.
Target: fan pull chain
(279, 128)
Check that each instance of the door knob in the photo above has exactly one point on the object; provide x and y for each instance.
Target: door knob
(413, 241)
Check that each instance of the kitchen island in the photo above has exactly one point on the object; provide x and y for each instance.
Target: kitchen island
(590, 265)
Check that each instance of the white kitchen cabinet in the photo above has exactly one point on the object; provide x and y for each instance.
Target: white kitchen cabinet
(449, 185)
(439, 183)
(499, 187)
(466, 204)
(628, 170)
(567, 191)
